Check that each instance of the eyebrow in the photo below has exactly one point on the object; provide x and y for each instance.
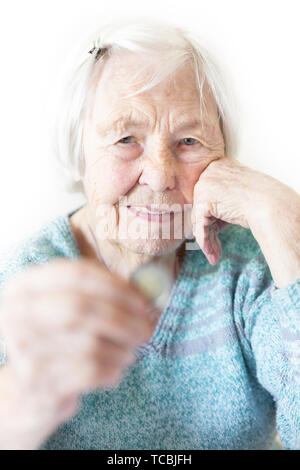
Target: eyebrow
(126, 123)
(122, 122)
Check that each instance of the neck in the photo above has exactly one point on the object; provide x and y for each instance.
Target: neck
(117, 259)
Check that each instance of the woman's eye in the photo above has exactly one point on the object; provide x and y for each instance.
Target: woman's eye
(125, 141)
(189, 141)
(186, 141)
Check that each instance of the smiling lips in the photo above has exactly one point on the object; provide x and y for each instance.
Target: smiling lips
(145, 212)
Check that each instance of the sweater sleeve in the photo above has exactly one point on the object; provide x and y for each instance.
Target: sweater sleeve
(271, 318)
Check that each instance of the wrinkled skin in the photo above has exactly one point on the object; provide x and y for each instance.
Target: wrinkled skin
(229, 192)
(154, 165)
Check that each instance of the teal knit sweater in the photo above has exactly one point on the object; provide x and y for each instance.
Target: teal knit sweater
(221, 370)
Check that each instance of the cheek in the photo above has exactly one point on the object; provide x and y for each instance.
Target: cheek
(105, 182)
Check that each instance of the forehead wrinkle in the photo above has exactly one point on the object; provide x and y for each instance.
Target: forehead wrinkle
(125, 122)
(119, 125)
(116, 122)
(183, 116)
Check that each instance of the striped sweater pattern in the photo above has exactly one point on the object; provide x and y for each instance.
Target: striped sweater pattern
(221, 370)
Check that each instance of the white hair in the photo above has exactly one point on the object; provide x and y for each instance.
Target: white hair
(143, 36)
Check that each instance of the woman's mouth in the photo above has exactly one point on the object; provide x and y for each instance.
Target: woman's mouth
(151, 215)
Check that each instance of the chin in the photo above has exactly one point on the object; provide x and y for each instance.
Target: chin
(151, 247)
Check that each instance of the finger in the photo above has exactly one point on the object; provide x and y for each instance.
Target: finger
(208, 242)
(206, 237)
(85, 276)
(218, 247)
(35, 312)
(71, 377)
(45, 315)
(57, 367)
(120, 326)
(214, 251)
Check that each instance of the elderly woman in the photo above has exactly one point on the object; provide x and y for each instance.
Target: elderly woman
(86, 363)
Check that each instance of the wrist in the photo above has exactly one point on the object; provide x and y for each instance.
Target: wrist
(277, 232)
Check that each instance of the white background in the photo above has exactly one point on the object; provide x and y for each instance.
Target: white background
(256, 44)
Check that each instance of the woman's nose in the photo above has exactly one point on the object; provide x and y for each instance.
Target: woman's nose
(159, 172)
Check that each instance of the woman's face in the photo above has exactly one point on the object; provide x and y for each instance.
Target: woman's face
(145, 150)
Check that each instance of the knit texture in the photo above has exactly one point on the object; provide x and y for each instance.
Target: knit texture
(220, 370)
